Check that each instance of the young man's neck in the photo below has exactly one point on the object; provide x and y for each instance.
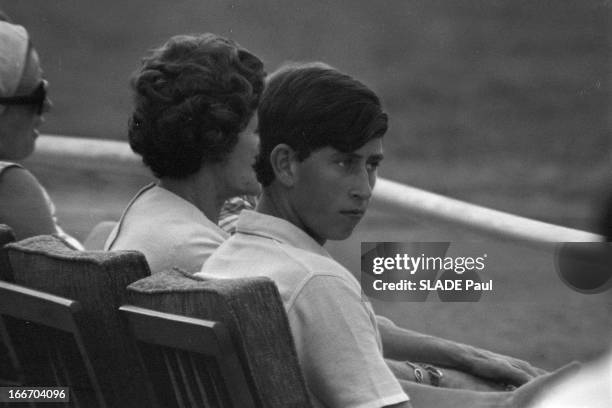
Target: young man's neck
(275, 203)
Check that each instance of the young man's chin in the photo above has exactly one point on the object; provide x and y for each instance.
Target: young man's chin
(341, 235)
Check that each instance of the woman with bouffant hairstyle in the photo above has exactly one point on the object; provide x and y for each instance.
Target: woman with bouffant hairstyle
(194, 126)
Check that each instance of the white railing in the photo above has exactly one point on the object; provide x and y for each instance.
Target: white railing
(87, 154)
(425, 205)
(116, 157)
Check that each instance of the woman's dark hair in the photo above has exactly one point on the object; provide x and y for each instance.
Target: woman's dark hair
(192, 98)
(312, 106)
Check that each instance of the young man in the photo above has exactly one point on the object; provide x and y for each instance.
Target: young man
(320, 145)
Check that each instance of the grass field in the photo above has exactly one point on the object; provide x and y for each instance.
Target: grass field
(504, 103)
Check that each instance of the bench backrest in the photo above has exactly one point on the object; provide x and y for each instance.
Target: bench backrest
(56, 354)
(98, 281)
(6, 236)
(9, 364)
(252, 313)
(191, 362)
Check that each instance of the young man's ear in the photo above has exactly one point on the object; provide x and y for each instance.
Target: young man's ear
(283, 160)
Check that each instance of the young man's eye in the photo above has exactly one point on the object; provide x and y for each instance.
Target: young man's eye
(372, 166)
(346, 163)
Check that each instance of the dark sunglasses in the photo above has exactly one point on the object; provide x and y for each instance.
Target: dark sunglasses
(36, 98)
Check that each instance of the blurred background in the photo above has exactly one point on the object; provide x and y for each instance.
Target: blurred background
(503, 103)
(499, 102)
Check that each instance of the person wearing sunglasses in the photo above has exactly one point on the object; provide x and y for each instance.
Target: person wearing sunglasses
(24, 204)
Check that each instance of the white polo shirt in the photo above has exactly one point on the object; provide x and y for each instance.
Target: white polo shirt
(334, 328)
(167, 229)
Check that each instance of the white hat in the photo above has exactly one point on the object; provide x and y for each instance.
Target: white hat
(14, 44)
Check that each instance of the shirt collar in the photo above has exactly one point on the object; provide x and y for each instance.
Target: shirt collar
(278, 229)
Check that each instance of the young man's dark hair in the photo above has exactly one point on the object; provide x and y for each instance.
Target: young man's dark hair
(310, 106)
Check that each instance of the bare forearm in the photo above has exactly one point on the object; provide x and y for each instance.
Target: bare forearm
(422, 396)
(403, 344)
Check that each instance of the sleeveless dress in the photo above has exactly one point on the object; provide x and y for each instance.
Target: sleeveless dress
(168, 230)
(58, 230)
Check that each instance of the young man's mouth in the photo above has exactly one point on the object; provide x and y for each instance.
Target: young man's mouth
(357, 213)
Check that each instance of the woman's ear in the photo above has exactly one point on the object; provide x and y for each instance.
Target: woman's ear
(283, 160)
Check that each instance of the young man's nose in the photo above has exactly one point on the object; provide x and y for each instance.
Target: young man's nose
(364, 184)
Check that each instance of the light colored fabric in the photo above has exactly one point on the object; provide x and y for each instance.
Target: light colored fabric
(590, 388)
(13, 51)
(58, 230)
(334, 329)
(99, 234)
(168, 230)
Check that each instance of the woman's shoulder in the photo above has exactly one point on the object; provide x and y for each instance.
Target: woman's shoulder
(156, 216)
(16, 179)
(24, 204)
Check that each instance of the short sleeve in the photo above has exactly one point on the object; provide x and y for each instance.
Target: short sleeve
(338, 347)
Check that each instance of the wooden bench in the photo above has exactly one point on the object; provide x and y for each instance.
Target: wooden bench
(97, 281)
(9, 373)
(171, 329)
(190, 362)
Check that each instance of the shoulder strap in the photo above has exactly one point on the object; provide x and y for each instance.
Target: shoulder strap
(7, 165)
